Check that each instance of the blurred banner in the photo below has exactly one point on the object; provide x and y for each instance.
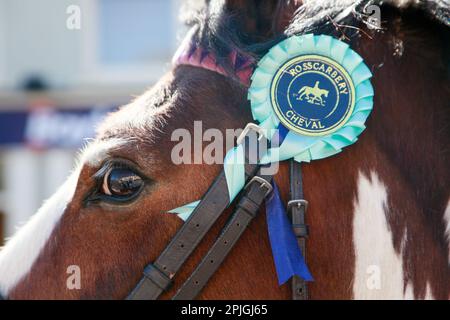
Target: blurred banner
(48, 127)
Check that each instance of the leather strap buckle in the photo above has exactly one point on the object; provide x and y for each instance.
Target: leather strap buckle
(250, 127)
(263, 184)
(301, 230)
(157, 276)
(297, 203)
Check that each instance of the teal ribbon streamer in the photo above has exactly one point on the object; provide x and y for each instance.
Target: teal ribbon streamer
(185, 211)
(234, 171)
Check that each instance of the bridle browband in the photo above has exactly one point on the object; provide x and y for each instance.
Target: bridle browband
(189, 53)
(158, 276)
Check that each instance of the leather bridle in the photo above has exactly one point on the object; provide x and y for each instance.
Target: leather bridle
(158, 276)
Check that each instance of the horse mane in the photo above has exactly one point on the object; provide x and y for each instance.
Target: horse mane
(219, 32)
(325, 13)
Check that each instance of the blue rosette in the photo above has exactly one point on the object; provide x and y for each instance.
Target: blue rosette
(311, 95)
(316, 91)
(319, 89)
(323, 83)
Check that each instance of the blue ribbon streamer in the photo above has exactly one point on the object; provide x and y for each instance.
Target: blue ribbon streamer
(279, 136)
(287, 255)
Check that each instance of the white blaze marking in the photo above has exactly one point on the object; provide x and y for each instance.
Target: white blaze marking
(373, 243)
(21, 251)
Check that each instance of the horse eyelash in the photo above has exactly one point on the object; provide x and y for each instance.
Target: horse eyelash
(109, 165)
(117, 164)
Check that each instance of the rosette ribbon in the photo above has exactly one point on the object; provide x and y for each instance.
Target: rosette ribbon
(288, 144)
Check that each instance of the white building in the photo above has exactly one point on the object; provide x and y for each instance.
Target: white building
(90, 54)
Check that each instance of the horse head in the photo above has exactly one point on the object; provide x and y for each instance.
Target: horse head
(381, 202)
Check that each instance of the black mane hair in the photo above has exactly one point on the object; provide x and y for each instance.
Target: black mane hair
(218, 32)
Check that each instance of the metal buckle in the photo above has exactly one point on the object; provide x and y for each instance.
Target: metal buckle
(250, 126)
(297, 202)
(263, 184)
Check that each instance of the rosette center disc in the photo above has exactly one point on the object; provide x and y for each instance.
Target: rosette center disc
(312, 95)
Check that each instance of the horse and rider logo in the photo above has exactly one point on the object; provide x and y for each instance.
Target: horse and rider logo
(312, 95)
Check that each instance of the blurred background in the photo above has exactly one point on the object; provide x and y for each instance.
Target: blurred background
(63, 65)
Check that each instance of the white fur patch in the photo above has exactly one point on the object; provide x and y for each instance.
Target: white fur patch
(96, 151)
(378, 267)
(447, 227)
(21, 251)
(428, 294)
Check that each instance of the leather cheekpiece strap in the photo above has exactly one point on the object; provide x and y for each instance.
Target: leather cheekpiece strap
(157, 277)
(301, 230)
(213, 203)
(246, 209)
(297, 213)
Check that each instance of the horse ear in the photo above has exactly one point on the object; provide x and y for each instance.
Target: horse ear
(258, 20)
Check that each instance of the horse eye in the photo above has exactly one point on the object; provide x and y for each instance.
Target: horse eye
(121, 183)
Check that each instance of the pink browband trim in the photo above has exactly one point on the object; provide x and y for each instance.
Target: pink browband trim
(189, 54)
